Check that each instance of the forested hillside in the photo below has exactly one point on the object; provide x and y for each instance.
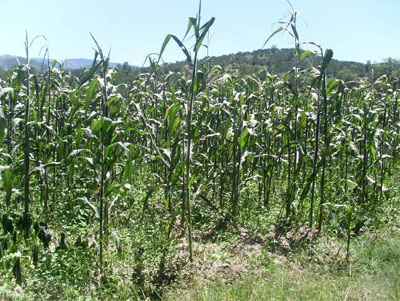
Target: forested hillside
(40, 65)
(280, 61)
(259, 62)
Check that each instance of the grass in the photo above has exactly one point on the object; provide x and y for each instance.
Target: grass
(236, 268)
(372, 273)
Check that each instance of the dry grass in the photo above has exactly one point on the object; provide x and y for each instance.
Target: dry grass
(318, 272)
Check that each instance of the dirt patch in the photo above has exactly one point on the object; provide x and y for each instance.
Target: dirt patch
(224, 261)
(286, 238)
(250, 254)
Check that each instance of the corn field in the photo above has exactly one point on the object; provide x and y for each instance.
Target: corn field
(179, 153)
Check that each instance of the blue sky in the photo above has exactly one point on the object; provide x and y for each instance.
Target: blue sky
(358, 30)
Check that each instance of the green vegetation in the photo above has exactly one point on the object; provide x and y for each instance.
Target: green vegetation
(277, 61)
(116, 187)
(373, 274)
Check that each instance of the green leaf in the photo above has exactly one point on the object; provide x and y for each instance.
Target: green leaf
(206, 28)
(192, 23)
(91, 91)
(305, 54)
(8, 178)
(295, 32)
(180, 44)
(86, 202)
(89, 73)
(76, 152)
(274, 33)
(373, 151)
(243, 137)
(2, 125)
(173, 118)
(165, 43)
(125, 149)
(183, 48)
(327, 58)
(5, 91)
(332, 85)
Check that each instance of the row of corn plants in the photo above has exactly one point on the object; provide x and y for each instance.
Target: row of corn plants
(204, 145)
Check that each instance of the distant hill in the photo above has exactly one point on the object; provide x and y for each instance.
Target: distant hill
(278, 61)
(9, 61)
(273, 60)
(71, 64)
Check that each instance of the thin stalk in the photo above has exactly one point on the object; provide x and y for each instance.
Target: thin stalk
(26, 134)
(324, 155)
(188, 157)
(315, 158)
